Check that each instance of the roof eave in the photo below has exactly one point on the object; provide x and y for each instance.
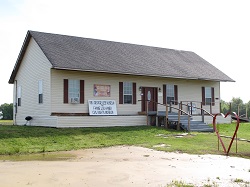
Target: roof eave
(19, 58)
(140, 74)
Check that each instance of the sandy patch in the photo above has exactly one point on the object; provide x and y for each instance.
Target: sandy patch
(126, 166)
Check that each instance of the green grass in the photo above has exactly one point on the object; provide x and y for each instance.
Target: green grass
(228, 130)
(183, 184)
(27, 139)
(6, 122)
(243, 133)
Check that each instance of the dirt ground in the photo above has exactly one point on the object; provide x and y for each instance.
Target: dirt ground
(126, 166)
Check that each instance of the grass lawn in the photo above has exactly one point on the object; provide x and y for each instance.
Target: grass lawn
(28, 139)
(6, 122)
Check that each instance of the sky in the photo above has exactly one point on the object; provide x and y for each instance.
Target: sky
(216, 30)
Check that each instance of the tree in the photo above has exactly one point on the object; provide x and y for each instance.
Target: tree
(224, 107)
(248, 109)
(7, 111)
(238, 106)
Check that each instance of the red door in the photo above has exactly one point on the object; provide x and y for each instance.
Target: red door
(149, 94)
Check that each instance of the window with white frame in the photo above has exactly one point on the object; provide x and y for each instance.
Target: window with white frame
(127, 92)
(208, 95)
(19, 95)
(40, 91)
(74, 90)
(170, 93)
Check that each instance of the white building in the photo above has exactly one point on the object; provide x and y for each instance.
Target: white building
(56, 75)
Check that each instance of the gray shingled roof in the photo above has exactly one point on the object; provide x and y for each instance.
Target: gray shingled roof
(84, 54)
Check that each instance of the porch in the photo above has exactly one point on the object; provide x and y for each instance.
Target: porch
(184, 115)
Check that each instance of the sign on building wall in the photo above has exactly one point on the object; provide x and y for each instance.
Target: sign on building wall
(102, 107)
(101, 90)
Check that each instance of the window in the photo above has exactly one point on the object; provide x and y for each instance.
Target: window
(208, 96)
(127, 93)
(19, 95)
(170, 94)
(73, 91)
(40, 91)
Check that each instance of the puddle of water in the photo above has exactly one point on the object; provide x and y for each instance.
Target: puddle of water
(38, 157)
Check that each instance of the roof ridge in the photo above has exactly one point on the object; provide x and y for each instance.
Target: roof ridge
(98, 55)
(97, 39)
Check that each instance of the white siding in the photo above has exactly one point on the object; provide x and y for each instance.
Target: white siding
(87, 121)
(188, 90)
(100, 121)
(34, 67)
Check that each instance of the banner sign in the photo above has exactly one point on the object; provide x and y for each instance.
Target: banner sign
(102, 107)
(101, 90)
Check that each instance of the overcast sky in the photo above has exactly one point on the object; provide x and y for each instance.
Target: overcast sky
(217, 30)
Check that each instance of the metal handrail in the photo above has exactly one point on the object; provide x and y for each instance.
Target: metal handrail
(200, 109)
(167, 105)
(209, 113)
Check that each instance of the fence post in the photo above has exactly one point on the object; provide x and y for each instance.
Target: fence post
(230, 110)
(246, 111)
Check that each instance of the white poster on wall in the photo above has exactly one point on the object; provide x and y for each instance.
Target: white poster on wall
(102, 107)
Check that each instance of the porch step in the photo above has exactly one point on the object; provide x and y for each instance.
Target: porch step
(197, 126)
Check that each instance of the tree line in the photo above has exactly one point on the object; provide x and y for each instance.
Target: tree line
(6, 111)
(237, 106)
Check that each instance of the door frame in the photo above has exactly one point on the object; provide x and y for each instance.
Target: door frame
(154, 97)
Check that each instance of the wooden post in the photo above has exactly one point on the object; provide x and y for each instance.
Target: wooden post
(181, 107)
(188, 123)
(191, 108)
(218, 129)
(246, 110)
(202, 114)
(201, 108)
(147, 111)
(236, 145)
(179, 118)
(156, 117)
(230, 110)
(166, 119)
